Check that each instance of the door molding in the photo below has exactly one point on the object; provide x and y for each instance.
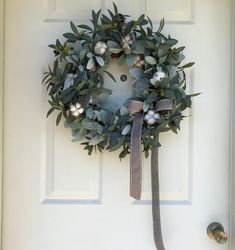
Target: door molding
(2, 27)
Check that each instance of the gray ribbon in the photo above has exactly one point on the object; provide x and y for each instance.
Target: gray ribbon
(135, 108)
(164, 105)
(157, 231)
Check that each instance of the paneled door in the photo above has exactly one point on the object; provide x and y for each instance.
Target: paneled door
(56, 197)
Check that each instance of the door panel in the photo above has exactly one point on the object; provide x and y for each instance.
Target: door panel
(56, 197)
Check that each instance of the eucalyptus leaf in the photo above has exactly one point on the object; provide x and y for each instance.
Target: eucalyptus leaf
(150, 60)
(115, 50)
(82, 54)
(58, 119)
(126, 129)
(113, 45)
(92, 125)
(136, 72)
(90, 64)
(80, 135)
(74, 28)
(124, 111)
(96, 139)
(100, 60)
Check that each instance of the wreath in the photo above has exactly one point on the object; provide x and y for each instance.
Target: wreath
(75, 84)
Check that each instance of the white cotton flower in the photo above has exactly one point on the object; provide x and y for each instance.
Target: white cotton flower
(151, 117)
(158, 76)
(69, 80)
(76, 109)
(100, 48)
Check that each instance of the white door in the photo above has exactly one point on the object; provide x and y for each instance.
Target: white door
(58, 198)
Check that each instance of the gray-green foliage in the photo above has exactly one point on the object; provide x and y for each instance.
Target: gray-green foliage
(98, 127)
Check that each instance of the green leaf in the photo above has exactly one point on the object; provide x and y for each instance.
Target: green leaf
(150, 23)
(90, 64)
(115, 51)
(110, 75)
(150, 60)
(80, 135)
(161, 26)
(53, 46)
(74, 28)
(59, 118)
(82, 54)
(112, 44)
(92, 125)
(136, 72)
(124, 153)
(115, 8)
(140, 19)
(80, 85)
(50, 111)
(85, 27)
(96, 139)
(126, 129)
(139, 48)
(193, 95)
(91, 84)
(188, 65)
(151, 98)
(118, 145)
(100, 60)
(124, 111)
(131, 60)
(171, 42)
(71, 37)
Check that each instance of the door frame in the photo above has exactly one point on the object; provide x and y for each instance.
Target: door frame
(232, 133)
(2, 28)
(232, 122)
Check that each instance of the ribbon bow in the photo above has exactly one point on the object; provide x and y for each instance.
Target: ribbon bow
(136, 108)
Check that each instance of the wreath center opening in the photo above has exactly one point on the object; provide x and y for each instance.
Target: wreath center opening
(121, 90)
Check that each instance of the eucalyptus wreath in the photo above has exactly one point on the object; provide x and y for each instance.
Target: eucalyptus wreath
(75, 81)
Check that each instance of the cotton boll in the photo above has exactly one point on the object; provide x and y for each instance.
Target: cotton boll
(151, 117)
(146, 117)
(156, 116)
(78, 105)
(76, 109)
(75, 113)
(159, 75)
(100, 48)
(151, 121)
(72, 108)
(81, 110)
(102, 51)
(151, 112)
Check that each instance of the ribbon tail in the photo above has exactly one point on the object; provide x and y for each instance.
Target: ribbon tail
(156, 200)
(136, 158)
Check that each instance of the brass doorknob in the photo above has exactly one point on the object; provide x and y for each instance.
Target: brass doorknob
(216, 232)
